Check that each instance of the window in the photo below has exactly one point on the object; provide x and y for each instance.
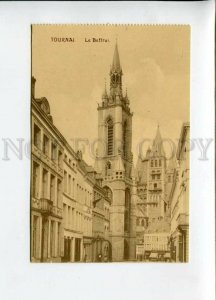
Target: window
(142, 222)
(125, 139)
(155, 185)
(158, 176)
(52, 188)
(159, 162)
(35, 180)
(155, 163)
(45, 145)
(65, 215)
(59, 193)
(52, 240)
(59, 240)
(37, 136)
(152, 163)
(60, 159)
(109, 137)
(73, 188)
(44, 183)
(65, 181)
(137, 222)
(153, 177)
(69, 184)
(34, 236)
(54, 152)
(69, 216)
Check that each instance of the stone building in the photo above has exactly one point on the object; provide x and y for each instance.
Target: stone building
(114, 162)
(179, 199)
(152, 180)
(152, 188)
(77, 208)
(63, 196)
(46, 186)
(156, 239)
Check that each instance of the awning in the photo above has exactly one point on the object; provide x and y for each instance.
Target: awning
(153, 255)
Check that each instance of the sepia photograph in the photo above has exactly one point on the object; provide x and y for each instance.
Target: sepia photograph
(110, 143)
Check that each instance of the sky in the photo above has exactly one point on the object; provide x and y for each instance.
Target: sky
(156, 72)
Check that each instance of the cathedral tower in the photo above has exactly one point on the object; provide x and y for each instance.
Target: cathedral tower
(152, 187)
(115, 162)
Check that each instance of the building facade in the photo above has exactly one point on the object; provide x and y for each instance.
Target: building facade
(80, 213)
(153, 213)
(64, 197)
(179, 200)
(115, 163)
(46, 186)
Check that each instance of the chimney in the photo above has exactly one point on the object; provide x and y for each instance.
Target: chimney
(33, 87)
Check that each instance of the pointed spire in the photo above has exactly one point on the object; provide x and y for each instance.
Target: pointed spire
(157, 147)
(116, 67)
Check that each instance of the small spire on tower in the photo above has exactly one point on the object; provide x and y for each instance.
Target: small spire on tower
(116, 66)
(157, 147)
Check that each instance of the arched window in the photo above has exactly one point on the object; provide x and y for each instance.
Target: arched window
(124, 138)
(127, 211)
(109, 137)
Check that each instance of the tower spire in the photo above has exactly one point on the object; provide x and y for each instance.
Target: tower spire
(116, 66)
(116, 74)
(157, 147)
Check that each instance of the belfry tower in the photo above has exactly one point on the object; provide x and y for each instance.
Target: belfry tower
(115, 162)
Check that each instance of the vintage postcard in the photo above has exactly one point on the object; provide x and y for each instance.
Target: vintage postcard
(110, 127)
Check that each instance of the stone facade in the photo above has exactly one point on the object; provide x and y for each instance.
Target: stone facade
(114, 163)
(63, 187)
(153, 213)
(106, 212)
(46, 187)
(179, 200)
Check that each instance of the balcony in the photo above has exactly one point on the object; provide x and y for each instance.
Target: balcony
(57, 212)
(46, 206)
